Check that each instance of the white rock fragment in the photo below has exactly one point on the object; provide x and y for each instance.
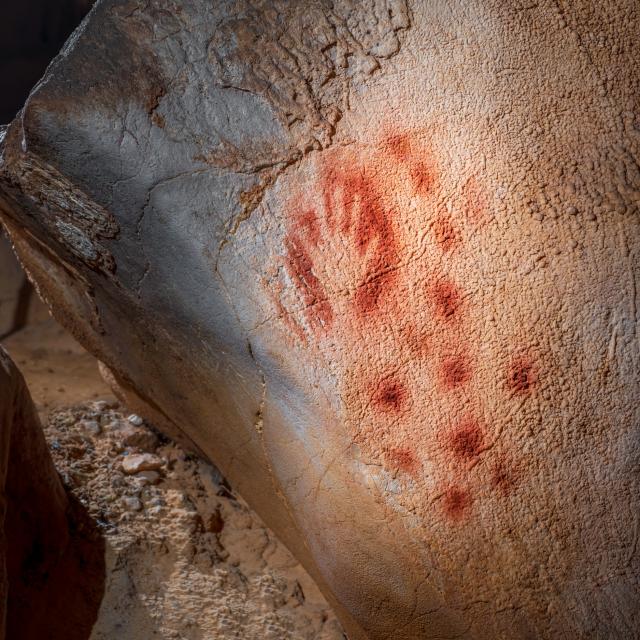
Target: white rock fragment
(137, 462)
(135, 419)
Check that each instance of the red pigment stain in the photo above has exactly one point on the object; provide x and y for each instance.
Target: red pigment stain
(456, 502)
(368, 294)
(389, 395)
(475, 202)
(365, 217)
(363, 212)
(308, 222)
(421, 173)
(446, 299)
(455, 371)
(522, 376)
(403, 459)
(318, 309)
(355, 207)
(467, 440)
(445, 233)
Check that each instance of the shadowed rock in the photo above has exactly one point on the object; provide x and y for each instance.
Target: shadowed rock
(52, 554)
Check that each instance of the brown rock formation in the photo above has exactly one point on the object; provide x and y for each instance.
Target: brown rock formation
(379, 262)
(52, 556)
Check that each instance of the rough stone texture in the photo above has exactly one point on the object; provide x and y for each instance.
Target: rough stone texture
(52, 561)
(379, 262)
(186, 559)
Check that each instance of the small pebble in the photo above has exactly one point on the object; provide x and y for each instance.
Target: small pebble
(135, 419)
(137, 462)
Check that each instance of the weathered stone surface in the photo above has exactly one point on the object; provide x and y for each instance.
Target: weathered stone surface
(52, 558)
(379, 262)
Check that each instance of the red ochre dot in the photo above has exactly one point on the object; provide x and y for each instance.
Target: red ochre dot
(421, 173)
(466, 441)
(456, 502)
(389, 396)
(455, 371)
(367, 295)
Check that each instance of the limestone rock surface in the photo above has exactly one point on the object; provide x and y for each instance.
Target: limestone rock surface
(379, 261)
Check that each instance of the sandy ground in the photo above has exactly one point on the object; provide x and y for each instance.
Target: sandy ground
(58, 371)
(186, 558)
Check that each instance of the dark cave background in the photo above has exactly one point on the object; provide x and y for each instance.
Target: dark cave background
(31, 34)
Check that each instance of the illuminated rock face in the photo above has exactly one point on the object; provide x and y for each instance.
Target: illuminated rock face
(380, 265)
